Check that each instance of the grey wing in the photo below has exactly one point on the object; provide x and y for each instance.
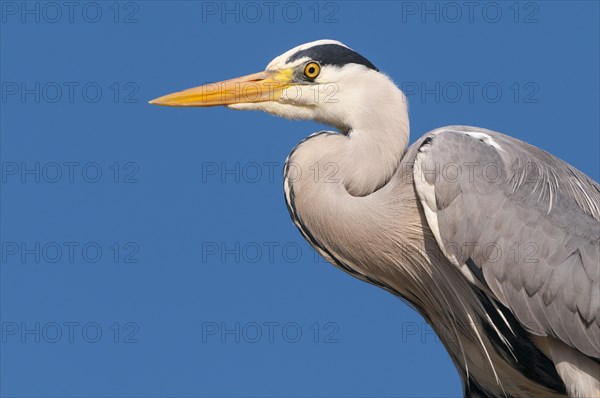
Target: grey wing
(519, 223)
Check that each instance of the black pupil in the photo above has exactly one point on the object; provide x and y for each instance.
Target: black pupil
(311, 70)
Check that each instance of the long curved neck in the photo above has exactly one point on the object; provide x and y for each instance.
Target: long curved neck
(336, 185)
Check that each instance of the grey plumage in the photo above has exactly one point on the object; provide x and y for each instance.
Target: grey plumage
(538, 219)
(387, 239)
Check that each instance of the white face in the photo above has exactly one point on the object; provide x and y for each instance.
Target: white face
(327, 97)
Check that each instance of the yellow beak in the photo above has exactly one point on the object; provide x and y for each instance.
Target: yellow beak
(258, 87)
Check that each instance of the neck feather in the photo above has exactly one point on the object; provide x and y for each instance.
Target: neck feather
(378, 134)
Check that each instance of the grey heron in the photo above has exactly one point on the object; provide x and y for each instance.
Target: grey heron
(494, 241)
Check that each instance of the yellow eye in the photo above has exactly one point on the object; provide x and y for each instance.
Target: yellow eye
(311, 70)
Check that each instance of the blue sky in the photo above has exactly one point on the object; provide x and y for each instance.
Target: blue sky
(148, 251)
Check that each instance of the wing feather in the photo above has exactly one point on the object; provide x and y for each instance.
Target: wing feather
(527, 221)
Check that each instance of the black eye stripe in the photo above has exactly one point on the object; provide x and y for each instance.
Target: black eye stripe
(332, 54)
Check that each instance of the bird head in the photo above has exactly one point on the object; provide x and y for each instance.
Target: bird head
(323, 80)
